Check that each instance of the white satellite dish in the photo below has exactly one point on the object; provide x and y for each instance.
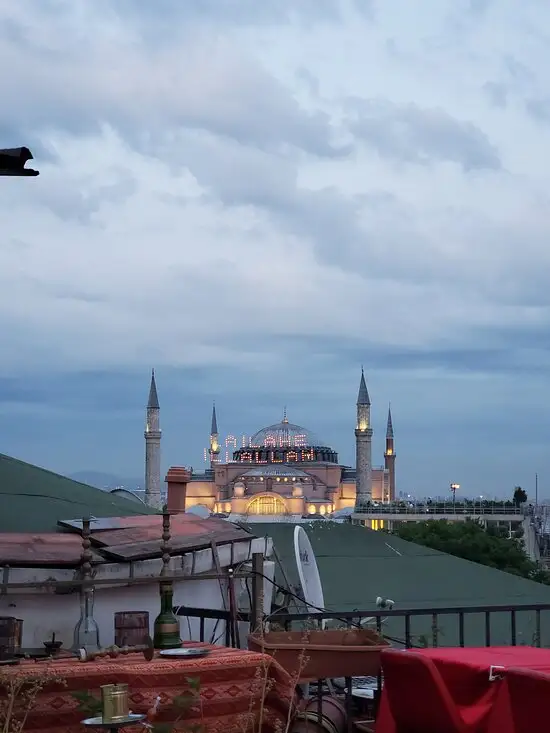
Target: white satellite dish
(199, 510)
(308, 572)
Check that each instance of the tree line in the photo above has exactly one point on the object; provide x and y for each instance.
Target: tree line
(492, 546)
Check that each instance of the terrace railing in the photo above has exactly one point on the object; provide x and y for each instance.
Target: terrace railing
(407, 636)
(521, 624)
(473, 509)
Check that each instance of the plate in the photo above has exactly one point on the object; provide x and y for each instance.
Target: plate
(185, 652)
(98, 722)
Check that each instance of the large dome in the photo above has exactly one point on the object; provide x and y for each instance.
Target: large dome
(285, 435)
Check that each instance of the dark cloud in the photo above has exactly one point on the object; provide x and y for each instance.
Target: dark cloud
(366, 8)
(232, 12)
(80, 200)
(211, 87)
(497, 93)
(479, 8)
(520, 340)
(408, 133)
(539, 109)
(517, 70)
(516, 79)
(480, 350)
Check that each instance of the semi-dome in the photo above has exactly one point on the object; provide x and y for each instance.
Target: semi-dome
(285, 435)
(276, 470)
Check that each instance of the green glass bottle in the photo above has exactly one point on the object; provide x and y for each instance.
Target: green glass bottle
(167, 625)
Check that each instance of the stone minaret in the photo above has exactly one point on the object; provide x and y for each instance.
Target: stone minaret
(214, 450)
(389, 455)
(152, 448)
(363, 445)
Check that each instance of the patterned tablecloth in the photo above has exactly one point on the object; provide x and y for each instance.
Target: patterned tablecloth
(229, 690)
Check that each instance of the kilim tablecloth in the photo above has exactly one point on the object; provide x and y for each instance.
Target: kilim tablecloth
(229, 690)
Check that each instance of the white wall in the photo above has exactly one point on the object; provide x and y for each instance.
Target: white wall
(45, 613)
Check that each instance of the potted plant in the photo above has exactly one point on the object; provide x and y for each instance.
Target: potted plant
(322, 654)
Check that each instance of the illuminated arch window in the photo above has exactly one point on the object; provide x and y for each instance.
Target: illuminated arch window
(267, 504)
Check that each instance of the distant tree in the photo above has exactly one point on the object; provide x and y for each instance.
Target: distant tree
(471, 541)
(520, 496)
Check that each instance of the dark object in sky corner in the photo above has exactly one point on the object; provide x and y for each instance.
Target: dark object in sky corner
(12, 162)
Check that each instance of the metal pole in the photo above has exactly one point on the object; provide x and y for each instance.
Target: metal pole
(257, 609)
(536, 492)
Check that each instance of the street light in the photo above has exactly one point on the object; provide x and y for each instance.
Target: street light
(12, 162)
(454, 487)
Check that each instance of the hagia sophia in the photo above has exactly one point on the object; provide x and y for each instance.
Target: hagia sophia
(284, 472)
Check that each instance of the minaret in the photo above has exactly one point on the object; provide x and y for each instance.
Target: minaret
(214, 450)
(152, 448)
(363, 446)
(389, 455)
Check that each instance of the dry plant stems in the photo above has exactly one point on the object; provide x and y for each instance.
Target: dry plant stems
(253, 720)
(18, 695)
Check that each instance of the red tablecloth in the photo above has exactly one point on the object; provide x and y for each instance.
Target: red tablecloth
(234, 688)
(465, 671)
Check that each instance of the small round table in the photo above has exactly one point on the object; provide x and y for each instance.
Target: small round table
(113, 726)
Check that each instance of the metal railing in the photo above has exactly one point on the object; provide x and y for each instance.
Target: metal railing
(408, 638)
(440, 508)
(502, 625)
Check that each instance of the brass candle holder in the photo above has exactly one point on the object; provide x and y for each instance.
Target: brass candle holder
(116, 705)
(146, 648)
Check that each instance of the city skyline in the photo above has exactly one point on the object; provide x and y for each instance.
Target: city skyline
(264, 197)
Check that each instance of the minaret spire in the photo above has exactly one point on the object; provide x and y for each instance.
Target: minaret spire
(152, 447)
(153, 402)
(214, 428)
(363, 448)
(363, 395)
(214, 450)
(389, 426)
(389, 457)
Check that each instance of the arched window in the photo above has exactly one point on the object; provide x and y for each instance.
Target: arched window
(267, 504)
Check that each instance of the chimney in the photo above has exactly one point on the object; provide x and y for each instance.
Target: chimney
(177, 479)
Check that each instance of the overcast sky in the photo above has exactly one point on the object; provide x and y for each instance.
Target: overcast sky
(257, 197)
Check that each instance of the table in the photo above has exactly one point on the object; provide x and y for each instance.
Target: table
(229, 690)
(465, 671)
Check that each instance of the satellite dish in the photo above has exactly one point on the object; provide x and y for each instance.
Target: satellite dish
(199, 510)
(308, 572)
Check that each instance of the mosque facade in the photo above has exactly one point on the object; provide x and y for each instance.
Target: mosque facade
(285, 471)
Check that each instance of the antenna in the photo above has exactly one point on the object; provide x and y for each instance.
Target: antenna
(308, 572)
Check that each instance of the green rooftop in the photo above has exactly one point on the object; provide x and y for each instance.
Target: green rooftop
(357, 565)
(33, 499)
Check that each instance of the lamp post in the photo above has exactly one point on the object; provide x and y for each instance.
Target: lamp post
(13, 160)
(454, 487)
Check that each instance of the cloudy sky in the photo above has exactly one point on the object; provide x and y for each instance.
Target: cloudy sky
(256, 198)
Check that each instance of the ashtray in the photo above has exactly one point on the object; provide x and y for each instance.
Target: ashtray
(52, 647)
